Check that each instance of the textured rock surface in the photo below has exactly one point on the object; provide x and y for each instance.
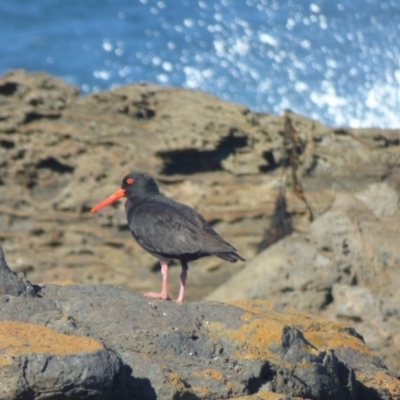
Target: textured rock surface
(37, 362)
(60, 153)
(10, 282)
(104, 342)
(344, 267)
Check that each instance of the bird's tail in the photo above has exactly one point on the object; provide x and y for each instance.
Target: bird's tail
(230, 256)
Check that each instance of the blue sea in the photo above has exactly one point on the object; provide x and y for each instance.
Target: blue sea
(336, 61)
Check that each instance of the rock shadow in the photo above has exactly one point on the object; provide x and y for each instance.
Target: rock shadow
(129, 387)
(190, 161)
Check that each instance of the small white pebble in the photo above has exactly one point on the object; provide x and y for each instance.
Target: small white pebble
(164, 314)
(207, 322)
(190, 354)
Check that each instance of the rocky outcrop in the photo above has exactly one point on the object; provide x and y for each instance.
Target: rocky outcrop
(60, 153)
(10, 282)
(345, 267)
(104, 342)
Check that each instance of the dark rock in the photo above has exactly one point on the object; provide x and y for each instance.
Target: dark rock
(103, 342)
(11, 283)
(37, 362)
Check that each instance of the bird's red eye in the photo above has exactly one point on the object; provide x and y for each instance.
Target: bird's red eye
(129, 181)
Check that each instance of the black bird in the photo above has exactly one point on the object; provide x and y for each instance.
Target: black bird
(167, 229)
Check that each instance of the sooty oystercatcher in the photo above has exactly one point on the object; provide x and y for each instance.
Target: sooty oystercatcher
(167, 229)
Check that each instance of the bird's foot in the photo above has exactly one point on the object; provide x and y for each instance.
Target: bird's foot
(179, 299)
(162, 295)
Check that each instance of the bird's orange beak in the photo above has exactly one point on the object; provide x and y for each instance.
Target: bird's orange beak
(114, 197)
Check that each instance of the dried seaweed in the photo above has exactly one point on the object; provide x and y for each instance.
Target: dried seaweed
(281, 222)
(293, 147)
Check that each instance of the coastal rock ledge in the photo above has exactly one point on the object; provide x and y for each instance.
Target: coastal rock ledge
(103, 342)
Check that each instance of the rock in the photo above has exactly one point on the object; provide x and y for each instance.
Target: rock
(11, 283)
(60, 153)
(376, 317)
(37, 362)
(28, 97)
(104, 342)
(344, 247)
(381, 199)
(292, 267)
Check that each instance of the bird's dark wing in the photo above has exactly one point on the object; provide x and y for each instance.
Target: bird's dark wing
(170, 229)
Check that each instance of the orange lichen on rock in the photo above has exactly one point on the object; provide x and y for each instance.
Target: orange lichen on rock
(22, 338)
(264, 396)
(325, 340)
(253, 338)
(175, 380)
(209, 373)
(322, 334)
(380, 379)
(262, 329)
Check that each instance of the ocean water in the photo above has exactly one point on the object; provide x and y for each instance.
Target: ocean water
(336, 61)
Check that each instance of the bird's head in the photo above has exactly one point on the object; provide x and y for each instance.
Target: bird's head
(134, 184)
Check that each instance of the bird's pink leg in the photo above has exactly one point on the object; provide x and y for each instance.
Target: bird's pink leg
(164, 288)
(183, 283)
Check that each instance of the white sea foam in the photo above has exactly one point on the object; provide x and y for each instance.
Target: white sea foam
(102, 74)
